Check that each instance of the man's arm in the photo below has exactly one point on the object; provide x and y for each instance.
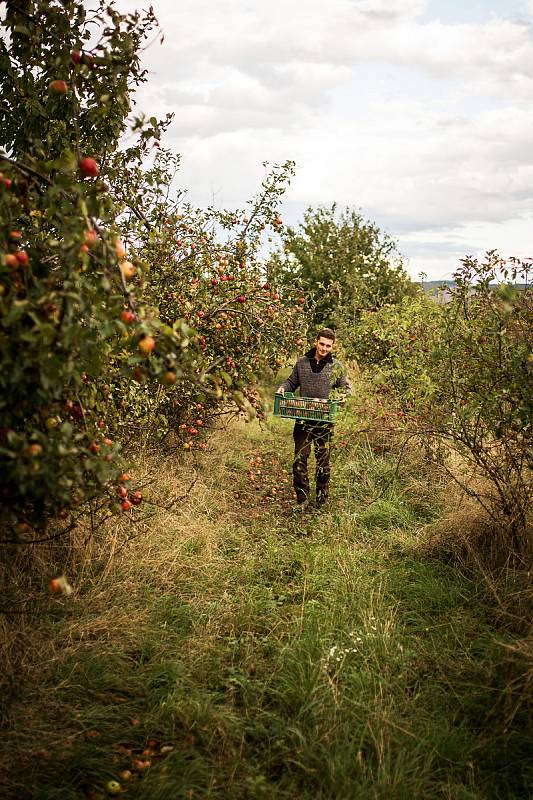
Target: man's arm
(292, 382)
(344, 383)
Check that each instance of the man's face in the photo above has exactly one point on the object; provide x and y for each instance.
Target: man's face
(323, 347)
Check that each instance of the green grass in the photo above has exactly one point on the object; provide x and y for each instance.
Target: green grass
(277, 658)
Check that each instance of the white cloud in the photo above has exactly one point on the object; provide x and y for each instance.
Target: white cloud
(422, 123)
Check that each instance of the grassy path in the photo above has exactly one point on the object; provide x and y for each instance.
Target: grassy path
(231, 651)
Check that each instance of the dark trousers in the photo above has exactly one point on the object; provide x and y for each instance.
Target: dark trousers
(305, 434)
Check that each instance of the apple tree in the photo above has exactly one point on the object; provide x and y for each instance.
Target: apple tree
(203, 266)
(346, 261)
(67, 289)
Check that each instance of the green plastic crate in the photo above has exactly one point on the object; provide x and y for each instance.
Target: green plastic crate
(291, 407)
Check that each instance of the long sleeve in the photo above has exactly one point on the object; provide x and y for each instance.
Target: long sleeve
(293, 381)
(343, 382)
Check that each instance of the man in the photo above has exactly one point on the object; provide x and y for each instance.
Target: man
(316, 374)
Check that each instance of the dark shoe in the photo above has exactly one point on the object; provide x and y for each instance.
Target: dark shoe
(321, 502)
(301, 506)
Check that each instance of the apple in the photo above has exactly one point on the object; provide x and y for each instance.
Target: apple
(200, 314)
(241, 299)
(75, 57)
(122, 492)
(58, 87)
(94, 447)
(22, 257)
(127, 317)
(127, 269)
(141, 764)
(91, 237)
(15, 235)
(113, 788)
(34, 450)
(60, 584)
(136, 498)
(146, 345)
(169, 378)
(124, 476)
(88, 167)
(125, 505)
(120, 250)
(11, 260)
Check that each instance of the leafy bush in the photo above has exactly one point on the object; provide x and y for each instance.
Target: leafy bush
(462, 370)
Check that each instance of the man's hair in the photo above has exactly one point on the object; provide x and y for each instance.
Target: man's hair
(327, 333)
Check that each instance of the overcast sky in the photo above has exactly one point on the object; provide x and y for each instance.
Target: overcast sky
(418, 113)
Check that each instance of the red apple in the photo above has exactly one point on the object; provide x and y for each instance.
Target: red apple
(127, 317)
(88, 167)
(58, 87)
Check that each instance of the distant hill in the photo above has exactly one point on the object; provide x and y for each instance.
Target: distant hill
(432, 286)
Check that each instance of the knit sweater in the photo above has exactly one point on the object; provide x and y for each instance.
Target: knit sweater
(317, 378)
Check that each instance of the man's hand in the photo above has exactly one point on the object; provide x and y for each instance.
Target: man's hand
(280, 390)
